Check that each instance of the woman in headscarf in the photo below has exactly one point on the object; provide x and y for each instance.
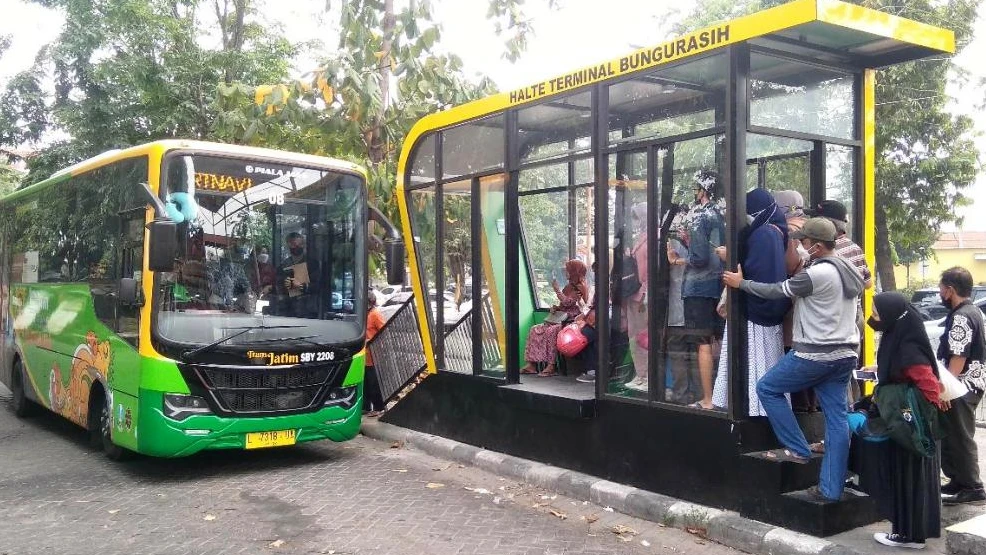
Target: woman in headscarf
(905, 484)
(762, 245)
(541, 346)
(636, 304)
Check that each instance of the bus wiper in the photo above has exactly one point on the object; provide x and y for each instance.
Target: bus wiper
(189, 354)
(304, 338)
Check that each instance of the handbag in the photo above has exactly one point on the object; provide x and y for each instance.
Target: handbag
(952, 387)
(571, 341)
(910, 419)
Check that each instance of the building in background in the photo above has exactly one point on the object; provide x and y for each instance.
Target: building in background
(954, 248)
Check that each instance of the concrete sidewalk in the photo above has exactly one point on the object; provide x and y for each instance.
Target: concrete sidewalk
(725, 527)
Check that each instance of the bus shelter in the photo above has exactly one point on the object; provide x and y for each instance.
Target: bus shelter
(602, 165)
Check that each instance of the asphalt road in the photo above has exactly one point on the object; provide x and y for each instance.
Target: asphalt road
(57, 495)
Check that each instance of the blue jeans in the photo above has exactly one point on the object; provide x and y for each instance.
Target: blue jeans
(830, 381)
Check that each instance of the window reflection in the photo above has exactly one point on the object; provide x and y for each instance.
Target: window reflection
(790, 95)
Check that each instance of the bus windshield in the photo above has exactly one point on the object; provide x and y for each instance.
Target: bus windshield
(264, 247)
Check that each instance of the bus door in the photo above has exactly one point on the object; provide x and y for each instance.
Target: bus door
(130, 263)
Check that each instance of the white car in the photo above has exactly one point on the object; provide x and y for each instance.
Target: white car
(935, 328)
(385, 293)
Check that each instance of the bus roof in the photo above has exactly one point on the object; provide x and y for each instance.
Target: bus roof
(161, 147)
(829, 31)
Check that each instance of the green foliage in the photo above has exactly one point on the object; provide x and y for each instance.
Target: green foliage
(127, 72)
(10, 179)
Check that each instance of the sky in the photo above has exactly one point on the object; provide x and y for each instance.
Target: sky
(576, 35)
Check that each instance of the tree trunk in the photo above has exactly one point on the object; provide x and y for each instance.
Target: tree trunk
(884, 258)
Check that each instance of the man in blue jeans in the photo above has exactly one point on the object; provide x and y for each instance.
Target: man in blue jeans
(823, 355)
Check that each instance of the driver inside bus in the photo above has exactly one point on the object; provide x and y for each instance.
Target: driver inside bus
(299, 273)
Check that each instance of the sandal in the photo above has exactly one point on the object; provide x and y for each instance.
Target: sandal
(818, 448)
(528, 370)
(784, 455)
(699, 405)
(547, 374)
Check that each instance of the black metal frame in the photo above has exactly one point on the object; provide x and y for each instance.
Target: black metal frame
(735, 127)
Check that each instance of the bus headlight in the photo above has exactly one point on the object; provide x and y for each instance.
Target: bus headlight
(344, 397)
(180, 407)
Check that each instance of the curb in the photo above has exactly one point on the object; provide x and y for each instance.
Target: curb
(725, 527)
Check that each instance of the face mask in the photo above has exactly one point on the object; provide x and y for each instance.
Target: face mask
(263, 258)
(877, 325)
(749, 219)
(297, 251)
(813, 251)
(802, 252)
(944, 300)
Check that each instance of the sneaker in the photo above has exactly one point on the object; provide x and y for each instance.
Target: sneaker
(587, 377)
(969, 495)
(896, 540)
(951, 488)
(637, 385)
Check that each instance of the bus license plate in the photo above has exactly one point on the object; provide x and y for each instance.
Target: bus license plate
(259, 440)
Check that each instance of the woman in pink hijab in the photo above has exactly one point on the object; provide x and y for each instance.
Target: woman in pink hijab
(542, 337)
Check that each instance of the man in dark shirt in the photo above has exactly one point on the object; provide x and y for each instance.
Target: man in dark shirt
(963, 351)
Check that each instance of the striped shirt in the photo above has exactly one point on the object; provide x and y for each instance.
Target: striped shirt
(845, 248)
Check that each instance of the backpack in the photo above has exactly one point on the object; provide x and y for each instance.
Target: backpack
(625, 271)
(899, 412)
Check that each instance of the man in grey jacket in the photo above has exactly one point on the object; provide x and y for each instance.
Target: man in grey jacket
(823, 354)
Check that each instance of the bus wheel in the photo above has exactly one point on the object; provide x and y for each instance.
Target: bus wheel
(100, 424)
(23, 407)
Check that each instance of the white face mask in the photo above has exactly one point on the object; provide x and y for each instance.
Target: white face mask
(263, 258)
(802, 252)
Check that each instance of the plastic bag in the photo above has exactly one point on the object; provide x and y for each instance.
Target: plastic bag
(570, 340)
(952, 387)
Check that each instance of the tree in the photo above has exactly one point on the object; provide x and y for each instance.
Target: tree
(925, 156)
(129, 72)
(362, 101)
(9, 179)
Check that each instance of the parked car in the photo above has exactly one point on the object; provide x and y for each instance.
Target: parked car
(928, 302)
(935, 328)
(385, 293)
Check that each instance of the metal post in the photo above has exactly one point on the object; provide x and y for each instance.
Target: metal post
(734, 180)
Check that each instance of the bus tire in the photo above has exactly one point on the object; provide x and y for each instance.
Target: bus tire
(100, 424)
(22, 406)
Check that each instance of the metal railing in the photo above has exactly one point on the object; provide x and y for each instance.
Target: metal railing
(398, 354)
(459, 341)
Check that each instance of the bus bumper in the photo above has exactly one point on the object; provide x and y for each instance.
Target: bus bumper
(161, 436)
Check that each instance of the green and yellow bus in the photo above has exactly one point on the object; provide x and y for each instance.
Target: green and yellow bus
(180, 296)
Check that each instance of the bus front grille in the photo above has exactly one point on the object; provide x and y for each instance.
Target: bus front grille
(254, 390)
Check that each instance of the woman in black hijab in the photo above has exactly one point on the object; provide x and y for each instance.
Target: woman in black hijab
(905, 485)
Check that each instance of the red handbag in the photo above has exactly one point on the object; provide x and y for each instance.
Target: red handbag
(570, 340)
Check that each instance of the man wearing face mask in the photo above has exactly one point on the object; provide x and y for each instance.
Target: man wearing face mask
(262, 272)
(300, 277)
(962, 349)
(823, 355)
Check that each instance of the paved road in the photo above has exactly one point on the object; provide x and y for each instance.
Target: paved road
(364, 497)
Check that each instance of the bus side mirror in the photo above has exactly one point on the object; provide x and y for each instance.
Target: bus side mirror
(394, 249)
(162, 245)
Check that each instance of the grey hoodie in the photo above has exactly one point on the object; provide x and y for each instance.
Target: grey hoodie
(825, 298)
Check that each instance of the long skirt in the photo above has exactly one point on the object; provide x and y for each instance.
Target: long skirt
(542, 343)
(765, 346)
(906, 486)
